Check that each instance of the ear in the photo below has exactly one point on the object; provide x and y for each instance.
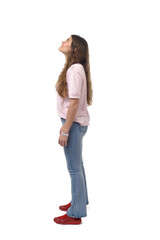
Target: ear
(75, 49)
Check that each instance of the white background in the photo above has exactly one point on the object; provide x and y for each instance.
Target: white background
(121, 150)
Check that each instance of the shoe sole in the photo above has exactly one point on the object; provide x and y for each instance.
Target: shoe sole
(68, 223)
(64, 210)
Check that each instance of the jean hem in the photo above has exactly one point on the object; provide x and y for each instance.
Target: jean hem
(76, 216)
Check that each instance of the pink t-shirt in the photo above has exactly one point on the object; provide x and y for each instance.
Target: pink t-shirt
(77, 88)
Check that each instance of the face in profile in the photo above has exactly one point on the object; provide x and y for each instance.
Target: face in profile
(66, 46)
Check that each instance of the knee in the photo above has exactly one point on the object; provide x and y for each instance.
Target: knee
(75, 170)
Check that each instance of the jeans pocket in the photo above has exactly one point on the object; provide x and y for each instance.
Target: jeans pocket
(82, 128)
(63, 120)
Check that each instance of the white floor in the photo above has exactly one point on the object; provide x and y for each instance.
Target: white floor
(30, 202)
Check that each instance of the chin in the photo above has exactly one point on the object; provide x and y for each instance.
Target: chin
(60, 49)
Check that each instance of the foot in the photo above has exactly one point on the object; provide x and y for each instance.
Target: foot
(65, 219)
(65, 207)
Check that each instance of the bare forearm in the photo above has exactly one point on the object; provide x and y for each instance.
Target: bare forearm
(70, 117)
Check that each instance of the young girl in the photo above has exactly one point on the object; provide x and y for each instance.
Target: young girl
(74, 94)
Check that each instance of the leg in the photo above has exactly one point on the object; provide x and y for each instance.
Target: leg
(84, 176)
(73, 154)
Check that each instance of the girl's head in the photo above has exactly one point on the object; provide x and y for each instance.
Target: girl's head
(75, 49)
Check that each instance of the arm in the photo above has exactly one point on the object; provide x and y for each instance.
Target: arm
(74, 102)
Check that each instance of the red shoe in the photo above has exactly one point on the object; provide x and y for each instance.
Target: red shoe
(65, 207)
(65, 219)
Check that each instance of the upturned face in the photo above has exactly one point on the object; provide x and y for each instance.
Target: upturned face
(66, 46)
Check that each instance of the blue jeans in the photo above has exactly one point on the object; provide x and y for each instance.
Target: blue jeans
(73, 155)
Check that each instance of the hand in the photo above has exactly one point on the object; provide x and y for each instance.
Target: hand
(62, 139)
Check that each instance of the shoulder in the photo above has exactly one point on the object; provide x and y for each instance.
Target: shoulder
(78, 67)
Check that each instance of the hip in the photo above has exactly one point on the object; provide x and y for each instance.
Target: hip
(75, 125)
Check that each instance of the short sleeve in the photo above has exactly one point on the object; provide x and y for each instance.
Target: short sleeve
(74, 83)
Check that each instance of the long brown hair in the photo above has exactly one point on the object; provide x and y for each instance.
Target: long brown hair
(80, 56)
